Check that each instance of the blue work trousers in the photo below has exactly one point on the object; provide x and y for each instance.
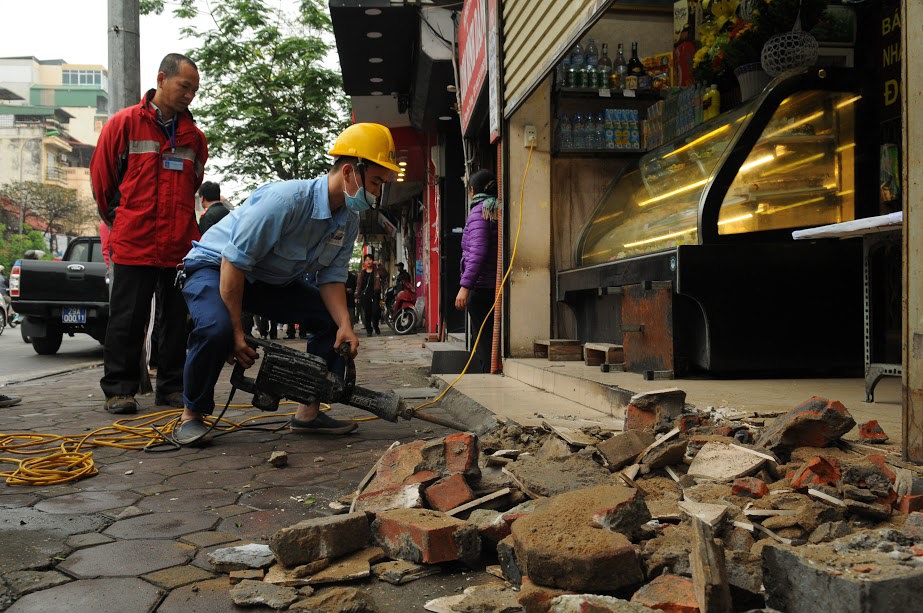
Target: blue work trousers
(212, 336)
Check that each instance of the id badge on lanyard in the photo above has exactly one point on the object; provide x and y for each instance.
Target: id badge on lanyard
(171, 161)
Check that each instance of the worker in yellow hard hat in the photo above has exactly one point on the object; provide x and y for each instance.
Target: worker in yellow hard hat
(282, 254)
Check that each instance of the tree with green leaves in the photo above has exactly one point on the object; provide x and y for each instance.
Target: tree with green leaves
(60, 209)
(267, 103)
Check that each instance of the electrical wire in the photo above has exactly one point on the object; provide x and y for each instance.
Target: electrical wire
(52, 459)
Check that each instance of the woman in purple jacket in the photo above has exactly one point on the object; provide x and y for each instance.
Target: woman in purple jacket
(479, 262)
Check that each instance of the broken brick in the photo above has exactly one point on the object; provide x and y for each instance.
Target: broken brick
(817, 422)
(456, 453)
(655, 410)
(910, 503)
(685, 423)
(397, 466)
(816, 471)
(749, 487)
(422, 535)
(670, 593)
(913, 526)
(871, 432)
(448, 493)
(882, 462)
(397, 497)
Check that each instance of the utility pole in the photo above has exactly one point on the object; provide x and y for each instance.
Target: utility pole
(124, 54)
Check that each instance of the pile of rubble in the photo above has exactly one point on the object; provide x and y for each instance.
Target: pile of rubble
(683, 511)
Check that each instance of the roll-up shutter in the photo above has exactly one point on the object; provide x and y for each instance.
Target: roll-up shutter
(536, 35)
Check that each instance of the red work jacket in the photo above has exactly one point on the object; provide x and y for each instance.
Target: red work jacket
(151, 207)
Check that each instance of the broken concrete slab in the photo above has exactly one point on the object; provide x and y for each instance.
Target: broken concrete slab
(718, 461)
(537, 598)
(817, 422)
(249, 593)
(486, 598)
(399, 572)
(422, 535)
(621, 449)
(337, 599)
(581, 603)
(254, 555)
(322, 537)
(557, 544)
(357, 565)
(293, 577)
(711, 514)
(279, 459)
(253, 574)
(545, 478)
(858, 573)
(670, 453)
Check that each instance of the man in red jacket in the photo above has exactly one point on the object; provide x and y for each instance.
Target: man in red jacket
(148, 164)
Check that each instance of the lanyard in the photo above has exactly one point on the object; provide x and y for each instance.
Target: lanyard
(172, 134)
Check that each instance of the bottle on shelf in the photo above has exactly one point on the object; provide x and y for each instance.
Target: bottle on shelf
(571, 79)
(577, 58)
(603, 68)
(619, 71)
(635, 69)
(711, 103)
(565, 134)
(599, 136)
(563, 69)
(579, 129)
(592, 54)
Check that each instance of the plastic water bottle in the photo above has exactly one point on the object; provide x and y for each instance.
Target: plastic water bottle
(565, 134)
(592, 54)
(600, 134)
(576, 57)
(563, 69)
(579, 128)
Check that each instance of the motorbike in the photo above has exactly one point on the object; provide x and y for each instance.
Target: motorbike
(401, 307)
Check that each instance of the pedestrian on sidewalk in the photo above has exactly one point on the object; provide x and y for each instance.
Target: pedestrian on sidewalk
(479, 263)
(215, 207)
(282, 254)
(368, 291)
(145, 171)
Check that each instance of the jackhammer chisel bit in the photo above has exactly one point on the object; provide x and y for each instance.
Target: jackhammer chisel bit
(303, 377)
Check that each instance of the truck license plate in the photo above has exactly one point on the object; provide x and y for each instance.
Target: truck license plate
(74, 315)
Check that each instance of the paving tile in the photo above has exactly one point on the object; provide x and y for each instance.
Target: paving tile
(116, 480)
(14, 501)
(78, 541)
(260, 525)
(154, 490)
(86, 502)
(23, 582)
(95, 595)
(31, 539)
(122, 559)
(188, 500)
(304, 475)
(208, 538)
(231, 510)
(176, 576)
(162, 525)
(226, 461)
(205, 479)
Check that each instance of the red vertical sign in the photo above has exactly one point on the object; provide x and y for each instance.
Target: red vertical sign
(472, 49)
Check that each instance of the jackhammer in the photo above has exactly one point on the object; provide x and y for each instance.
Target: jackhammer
(303, 377)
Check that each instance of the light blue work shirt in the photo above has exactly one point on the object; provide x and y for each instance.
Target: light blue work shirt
(282, 232)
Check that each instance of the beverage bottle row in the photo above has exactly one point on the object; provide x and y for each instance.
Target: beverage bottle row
(616, 129)
(588, 69)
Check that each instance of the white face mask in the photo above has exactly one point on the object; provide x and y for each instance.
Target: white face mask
(361, 201)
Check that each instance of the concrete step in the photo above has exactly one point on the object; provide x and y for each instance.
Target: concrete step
(447, 358)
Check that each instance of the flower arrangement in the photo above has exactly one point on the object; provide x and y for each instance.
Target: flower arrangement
(733, 32)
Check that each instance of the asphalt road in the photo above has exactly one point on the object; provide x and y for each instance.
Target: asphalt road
(18, 360)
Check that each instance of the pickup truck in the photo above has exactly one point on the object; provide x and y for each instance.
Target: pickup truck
(62, 297)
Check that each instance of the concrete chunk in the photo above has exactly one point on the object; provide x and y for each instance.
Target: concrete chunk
(250, 593)
(621, 449)
(322, 537)
(718, 461)
(242, 557)
(545, 478)
(858, 573)
(655, 410)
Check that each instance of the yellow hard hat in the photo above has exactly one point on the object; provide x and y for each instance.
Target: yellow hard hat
(369, 141)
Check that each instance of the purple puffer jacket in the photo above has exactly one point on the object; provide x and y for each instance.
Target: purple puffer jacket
(479, 251)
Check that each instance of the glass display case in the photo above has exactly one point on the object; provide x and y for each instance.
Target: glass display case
(799, 173)
(700, 230)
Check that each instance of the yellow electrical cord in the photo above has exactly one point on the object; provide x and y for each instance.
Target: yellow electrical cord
(55, 459)
(59, 459)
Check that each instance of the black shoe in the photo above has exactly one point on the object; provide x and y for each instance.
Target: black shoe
(9, 401)
(169, 399)
(322, 424)
(377, 331)
(369, 332)
(192, 433)
(121, 405)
